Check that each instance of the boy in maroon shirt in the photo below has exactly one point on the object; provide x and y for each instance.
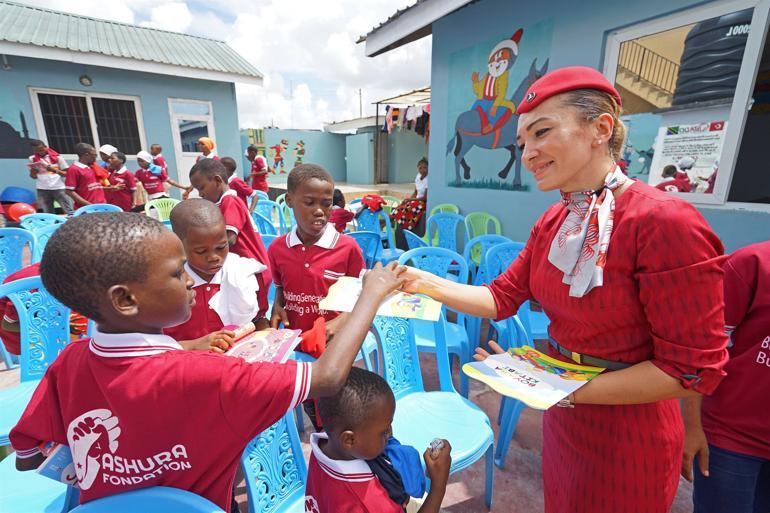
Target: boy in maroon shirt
(122, 183)
(81, 182)
(134, 409)
(209, 178)
(240, 187)
(258, 169)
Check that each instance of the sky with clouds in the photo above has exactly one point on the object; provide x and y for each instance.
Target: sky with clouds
(305, 48)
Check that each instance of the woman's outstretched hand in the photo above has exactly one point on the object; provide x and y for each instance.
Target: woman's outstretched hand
(482, 354)
(414, 280)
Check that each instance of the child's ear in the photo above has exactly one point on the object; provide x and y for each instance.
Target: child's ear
(348, 439)
(288, 199)
(123, 301)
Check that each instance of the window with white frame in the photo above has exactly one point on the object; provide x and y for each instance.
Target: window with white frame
(65, 118)
(687, 81)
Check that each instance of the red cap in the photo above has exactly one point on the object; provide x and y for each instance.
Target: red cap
(563, 80)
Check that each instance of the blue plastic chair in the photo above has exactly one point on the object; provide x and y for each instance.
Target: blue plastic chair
(262, 195)
(479, 246)
(369, 242)
(13, 194)
(287, 220)
(41, 239)
(34, 222)
(44, 326)
(275, 469)
(264, 225)
(371, 222)
(156, 499)
(445, 228)
(12, 242)
(422, 416)
(439, 261)
(268, 239)
(32, 493)
(97, 207)
(271, 211)
(413, 240)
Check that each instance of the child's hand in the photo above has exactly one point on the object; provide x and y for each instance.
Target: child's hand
(186, 193)
(383, 280)
(219, 341)
(279, 316)
(438, 467)
(482, 355)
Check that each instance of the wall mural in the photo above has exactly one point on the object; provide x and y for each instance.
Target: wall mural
(482, 114)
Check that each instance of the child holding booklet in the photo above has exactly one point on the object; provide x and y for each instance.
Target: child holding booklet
(134, 409)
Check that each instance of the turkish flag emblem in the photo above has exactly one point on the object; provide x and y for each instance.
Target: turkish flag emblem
(716, 125)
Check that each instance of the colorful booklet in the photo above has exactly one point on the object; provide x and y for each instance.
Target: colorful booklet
(59, 467)
(530, 376)
(343, 295)
(265, 346)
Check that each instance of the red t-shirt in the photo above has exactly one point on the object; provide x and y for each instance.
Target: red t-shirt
(343, 485)
(152, 183)
(675, 185)
(158, 160)
(241, 188)
(307, 272)
(340, 218)
(137, 411)
(259, 182)
(123, 198)
(82, 179)
(736, 416)
(12, 340)
(204, 319)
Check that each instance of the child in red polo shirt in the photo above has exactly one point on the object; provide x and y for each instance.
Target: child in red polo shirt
(341, 475)
(81, 182)
(209, 177)
(157, 157)
(134, 409)
(258, 169)
(153, 178)
(225, 284)
(122, 183)
(240, 187)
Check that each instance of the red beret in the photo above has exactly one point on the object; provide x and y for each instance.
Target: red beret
(563, 80)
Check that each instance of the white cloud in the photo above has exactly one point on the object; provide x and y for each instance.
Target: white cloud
(174, 16)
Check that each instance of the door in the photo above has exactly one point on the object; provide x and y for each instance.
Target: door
(190, 120)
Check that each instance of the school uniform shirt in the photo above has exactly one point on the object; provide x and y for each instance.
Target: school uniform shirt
(675, 185)
(421, 186)
(241, 188)
(248, 243)
(661, 301)
(82, 179)
(307, 272)
(212, 155)
(152, 183)
(736, 416)
(49, 181)
(259, 182)
(343, 485)
(158, 160)
(137, 411)
(123, 198)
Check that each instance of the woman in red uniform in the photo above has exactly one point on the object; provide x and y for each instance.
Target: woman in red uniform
(631, 280)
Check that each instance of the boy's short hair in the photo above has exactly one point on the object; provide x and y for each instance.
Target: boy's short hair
(351, 407)
(83, 148)
(37, 143)
(669, 170)
(121, 156)
(156, 145)
(252, 148)
(90, 253)
(305, 172)
(423, 160)
(194, 212)
(210, 168)
(338, 198)
(229, 163)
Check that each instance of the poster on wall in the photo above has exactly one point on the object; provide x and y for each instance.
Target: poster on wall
(687, 156)
(641, 133)
(485, 83)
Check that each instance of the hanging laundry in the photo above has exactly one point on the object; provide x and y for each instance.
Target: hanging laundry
(422, 122)
(387, 115)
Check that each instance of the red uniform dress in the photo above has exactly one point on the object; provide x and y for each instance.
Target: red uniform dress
(248, 243)
(343, 485)
(307, 272)
(259, 182)
(82, 179)
(736, 417)
(241, 188)
(661, 301)
(123, 198)
(137, 411)
(152, 183)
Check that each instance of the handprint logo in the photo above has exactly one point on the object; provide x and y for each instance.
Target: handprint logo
(89, 436)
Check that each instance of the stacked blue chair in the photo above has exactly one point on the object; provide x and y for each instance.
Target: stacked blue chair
(97, 207)
(34, 222)
(41, 239)
(413, 240)
(262, 195)
(268, 239)
(271, 211)
(287, 220)
(369, 242)
(422, 416)
(444, 228)
(372, 222)
(275, 470)
(265, 226)
(12, 244)
(156, 499)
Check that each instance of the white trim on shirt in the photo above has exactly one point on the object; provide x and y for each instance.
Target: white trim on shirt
(354, 471)
(123, 345)
(328, 239)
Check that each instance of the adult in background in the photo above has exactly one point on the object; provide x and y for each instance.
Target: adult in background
(208, 149)
(631, 279)
(48, 169)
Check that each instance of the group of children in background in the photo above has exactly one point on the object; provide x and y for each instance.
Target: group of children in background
(164, 307)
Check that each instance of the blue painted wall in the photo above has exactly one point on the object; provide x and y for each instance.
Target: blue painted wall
(579, 34)
(359, 154)
(322, 148)
(405, 148)
(153, 92)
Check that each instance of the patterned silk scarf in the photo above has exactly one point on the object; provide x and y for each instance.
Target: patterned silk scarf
(579, 249)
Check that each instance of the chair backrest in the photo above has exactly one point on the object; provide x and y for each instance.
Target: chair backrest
(162, 206)
(264, 225)
(41, 239)
(370, 245)
(445, 208)
(474, 253)
(444, 227)
(97, 207)
(500, 257)
(391, 203)
(274, 467)
(370, 221)
(12, 243)
(481, 223)
(270, 210)
(268, 239)
(281, 199)
(436, 261)
(413, 240)
(262, 195)
(44, 324)
(156, 499)
(34, 222)
(287, 220)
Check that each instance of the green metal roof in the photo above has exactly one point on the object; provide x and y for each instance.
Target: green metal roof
(35, 26)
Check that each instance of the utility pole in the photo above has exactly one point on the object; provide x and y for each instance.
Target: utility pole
(360, 104)
(291, 103)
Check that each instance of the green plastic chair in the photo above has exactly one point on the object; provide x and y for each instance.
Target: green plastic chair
(392, 202)
(281, 199)
(445, 208)
(477, 224)
(162, 206)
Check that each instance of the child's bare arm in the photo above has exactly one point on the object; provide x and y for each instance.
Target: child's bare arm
(331, 370)
(218, 341)
(254, 201)
(77, 198)
(279, 315)
(438, 472)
